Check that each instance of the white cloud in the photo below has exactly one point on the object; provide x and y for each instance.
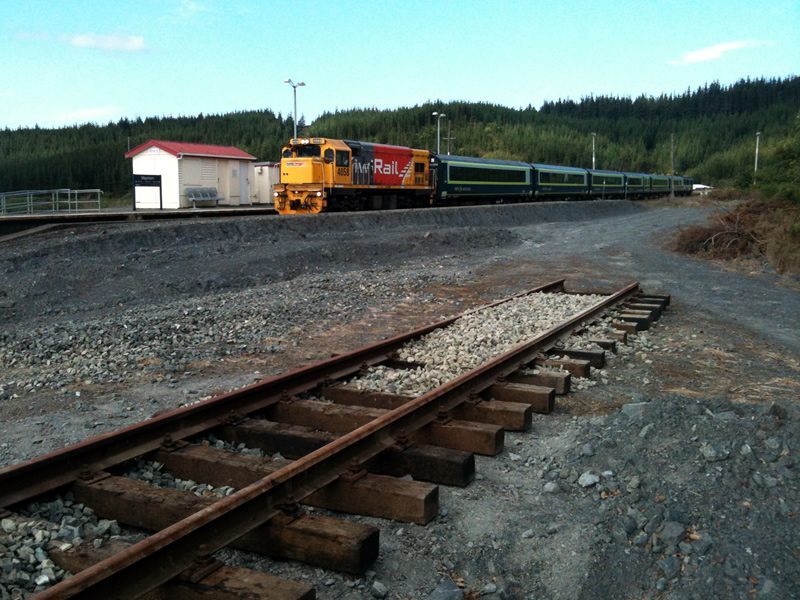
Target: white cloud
(189, 8)
(87, 115)
(113, 42)
(715, 52)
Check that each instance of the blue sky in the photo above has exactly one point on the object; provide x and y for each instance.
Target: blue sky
(66, 62)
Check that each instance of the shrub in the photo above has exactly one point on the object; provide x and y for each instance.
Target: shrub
(756, 228)
(727, 194)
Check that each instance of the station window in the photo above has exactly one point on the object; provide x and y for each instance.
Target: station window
(342, 158)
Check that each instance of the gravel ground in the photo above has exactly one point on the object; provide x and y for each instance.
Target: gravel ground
(472, 340)
(671, 473)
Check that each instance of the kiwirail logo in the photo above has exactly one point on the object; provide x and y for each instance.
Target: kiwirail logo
(386, 168)
(363, 168)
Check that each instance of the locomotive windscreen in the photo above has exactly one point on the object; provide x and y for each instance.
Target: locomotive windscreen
(307, 150)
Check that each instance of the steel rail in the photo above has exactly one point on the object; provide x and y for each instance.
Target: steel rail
(24, 481)
(165, 554)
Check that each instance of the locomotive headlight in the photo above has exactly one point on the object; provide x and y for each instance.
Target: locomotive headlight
(319, 194)
(275, 194)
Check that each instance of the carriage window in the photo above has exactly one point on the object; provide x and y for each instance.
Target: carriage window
(606, 180)
(545, 177)
(419, 167)
(487, 175)
(287, 154)
(568, 178)
(574, 178)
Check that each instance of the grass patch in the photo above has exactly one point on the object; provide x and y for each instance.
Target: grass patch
(116, 201)
(756, 228)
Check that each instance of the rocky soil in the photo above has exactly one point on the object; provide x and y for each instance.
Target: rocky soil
(670, 474)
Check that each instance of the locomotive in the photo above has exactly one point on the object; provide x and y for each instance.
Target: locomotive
(325, 175)
(320, 174)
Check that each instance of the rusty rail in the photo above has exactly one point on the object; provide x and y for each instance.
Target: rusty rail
(22, 482)
(162, 556)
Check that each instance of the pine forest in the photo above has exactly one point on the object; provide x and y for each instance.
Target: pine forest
(713, 130)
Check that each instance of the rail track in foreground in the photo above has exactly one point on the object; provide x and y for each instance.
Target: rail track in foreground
(347, 446)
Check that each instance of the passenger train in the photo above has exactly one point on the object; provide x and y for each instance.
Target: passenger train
(325, 175)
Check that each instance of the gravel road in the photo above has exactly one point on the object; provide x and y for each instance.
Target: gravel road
(672, 474)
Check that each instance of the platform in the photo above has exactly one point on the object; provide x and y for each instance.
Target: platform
(12, 226)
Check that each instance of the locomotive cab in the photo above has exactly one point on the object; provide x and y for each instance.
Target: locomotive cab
(310, 168)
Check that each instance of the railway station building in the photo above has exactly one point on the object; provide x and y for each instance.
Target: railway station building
(171, 175)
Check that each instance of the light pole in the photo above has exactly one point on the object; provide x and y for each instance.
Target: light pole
(672, 166)
(755, 167)
(438, 127)
(294, 89)
(449, 137)
(594, 165)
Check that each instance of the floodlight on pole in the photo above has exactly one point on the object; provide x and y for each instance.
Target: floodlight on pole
(294, 90)
(438, 116)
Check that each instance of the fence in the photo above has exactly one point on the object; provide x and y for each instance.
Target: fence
(40, 201)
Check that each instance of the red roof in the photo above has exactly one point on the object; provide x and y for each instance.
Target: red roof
(185, 148)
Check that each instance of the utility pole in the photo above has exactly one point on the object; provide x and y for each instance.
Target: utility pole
(755, 167)
(672, 166)
(449, 137)
(594, 162)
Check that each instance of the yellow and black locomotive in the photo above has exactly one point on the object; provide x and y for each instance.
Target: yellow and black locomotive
(321, 174)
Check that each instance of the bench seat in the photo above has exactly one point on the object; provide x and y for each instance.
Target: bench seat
(202, 194)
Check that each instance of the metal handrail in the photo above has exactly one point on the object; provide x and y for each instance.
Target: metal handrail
(46, 201)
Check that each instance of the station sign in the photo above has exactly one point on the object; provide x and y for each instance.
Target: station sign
(147, 181)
